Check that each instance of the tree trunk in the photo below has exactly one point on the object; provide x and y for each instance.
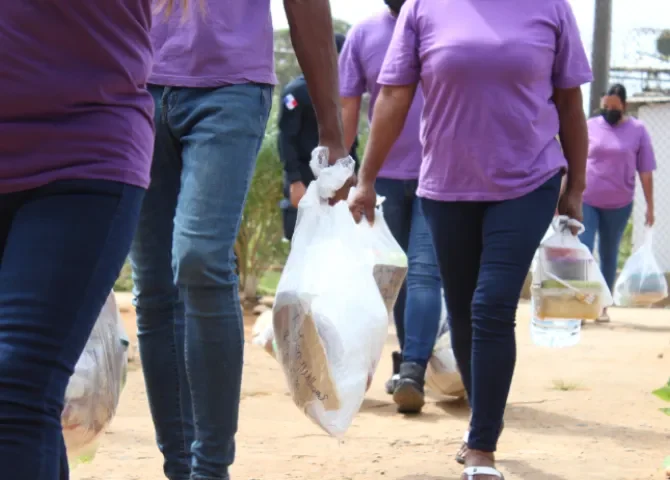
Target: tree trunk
(250, 287)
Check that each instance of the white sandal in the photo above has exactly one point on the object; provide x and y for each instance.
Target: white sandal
(473, 472)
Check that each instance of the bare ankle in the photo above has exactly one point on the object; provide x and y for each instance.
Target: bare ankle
(479, 458)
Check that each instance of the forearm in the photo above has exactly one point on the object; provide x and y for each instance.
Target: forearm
(647, 181)
(388, 120)
(311, 27)
(351, 108)
(573, 134)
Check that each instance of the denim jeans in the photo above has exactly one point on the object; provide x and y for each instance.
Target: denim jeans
(189, 318)
(62, 247)
(484, 250)
(418, 308)
(609, 224)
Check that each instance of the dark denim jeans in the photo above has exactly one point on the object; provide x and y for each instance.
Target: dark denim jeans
(418, 308)
(609, 224)
(484, 250)
(61, 248)
(186, 290)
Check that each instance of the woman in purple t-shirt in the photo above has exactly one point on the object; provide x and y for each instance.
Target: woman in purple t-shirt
(75, 154)
(501, 81)
(619, 147)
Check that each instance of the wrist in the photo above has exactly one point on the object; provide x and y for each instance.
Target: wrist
(575, 185)
(365, 180)
(331, 135)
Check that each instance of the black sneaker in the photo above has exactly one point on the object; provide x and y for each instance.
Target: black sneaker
(391, 382)
(408, 393)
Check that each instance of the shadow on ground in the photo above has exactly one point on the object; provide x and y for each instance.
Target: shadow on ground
(523, 470)
(532, 419)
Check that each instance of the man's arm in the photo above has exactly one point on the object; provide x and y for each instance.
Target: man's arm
(311, 26)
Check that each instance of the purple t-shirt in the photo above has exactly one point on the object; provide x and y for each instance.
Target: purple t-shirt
(361, 60)
(615, 154)
(218, 42)
(73, 103)
(488, 70)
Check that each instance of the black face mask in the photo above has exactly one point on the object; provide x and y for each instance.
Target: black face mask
(395, 5)
(611, 116)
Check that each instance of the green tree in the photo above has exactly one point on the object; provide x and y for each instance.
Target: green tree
(260, 241)
(286, 63)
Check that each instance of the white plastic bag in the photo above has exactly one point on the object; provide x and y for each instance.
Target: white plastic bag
(567, 282)
(263, 334)
(549, 233)
(92, 394)
(641, 282)
(442, 374)
(330, 320)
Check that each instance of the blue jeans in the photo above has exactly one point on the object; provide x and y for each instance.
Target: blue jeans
(62, 247)
(609, 224)
(418, 308)
(189, 318)
(484, 250)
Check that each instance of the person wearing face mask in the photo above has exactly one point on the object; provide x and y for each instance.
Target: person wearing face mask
(418, 308)
(619, 146)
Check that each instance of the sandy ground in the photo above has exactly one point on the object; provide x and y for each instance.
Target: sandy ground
(579, 413)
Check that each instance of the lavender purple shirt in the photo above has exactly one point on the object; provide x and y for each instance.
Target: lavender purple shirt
(218, 42)
(616, 153)
(361, 60)
(488, 70)
(72, 98)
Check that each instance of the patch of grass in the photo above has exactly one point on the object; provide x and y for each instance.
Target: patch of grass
(565, 386)
(269, 282)
(626, 246)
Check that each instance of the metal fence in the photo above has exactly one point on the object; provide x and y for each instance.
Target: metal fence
(656, 117)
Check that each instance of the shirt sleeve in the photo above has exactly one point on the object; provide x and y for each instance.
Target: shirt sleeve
(571, 66)
(401, 64)
(646, 160)
(352, 75)
(290, 124)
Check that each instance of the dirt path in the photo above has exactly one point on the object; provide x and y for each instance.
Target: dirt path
(580, 413)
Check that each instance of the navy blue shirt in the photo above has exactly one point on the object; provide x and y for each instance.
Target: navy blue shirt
(299, 133)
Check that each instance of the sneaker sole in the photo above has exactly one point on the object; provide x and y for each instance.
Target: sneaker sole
(408, 398)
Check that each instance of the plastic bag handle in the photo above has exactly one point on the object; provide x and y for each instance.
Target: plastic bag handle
(648, 235)
(563, 223)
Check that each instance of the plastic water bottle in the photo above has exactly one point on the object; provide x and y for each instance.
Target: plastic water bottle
(558, 333)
